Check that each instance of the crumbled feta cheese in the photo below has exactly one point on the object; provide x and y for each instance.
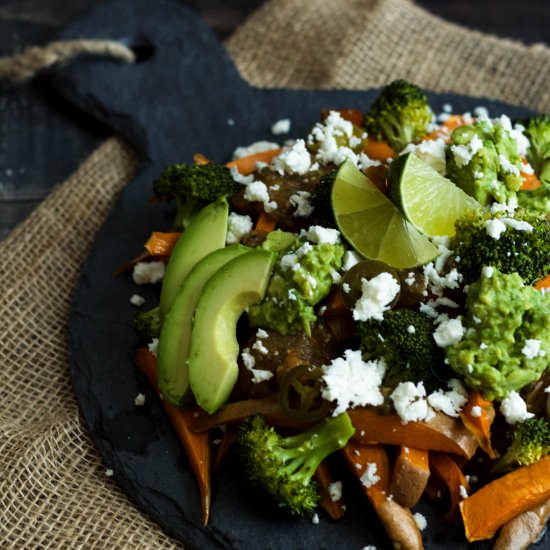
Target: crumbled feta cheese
(258, 375)
(349, 260)
(352, 382)
(449, 332)
(369, 476)
(449, 402)
(447, 108)
(139, 400)
(153, 345)
(290, 261)
(495, 228)
(294, 159)
(411, 329)
(322, 235)
(507, 166)
(476, 411)
(376, 296)
(248, 359)
(463, 154)
(335, 491)
(514, 408)
(292, 294)
(148, 272)
(531, 348)
(237, 227)
(518, 225)
(301, 201)
(109, 472)
(254, 148)
(488, 271)
(241, 178)
(463, 492)
(281, 127)
(256, 191)
(259, 346)
(420, 521)
(431, 151)
(137, 300)
(315, 519)
(410, 403)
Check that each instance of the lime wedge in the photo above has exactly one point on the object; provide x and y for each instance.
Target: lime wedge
(431, 202)
(373, 225)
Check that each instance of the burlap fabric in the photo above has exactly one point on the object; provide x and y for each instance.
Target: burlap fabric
(53, 489)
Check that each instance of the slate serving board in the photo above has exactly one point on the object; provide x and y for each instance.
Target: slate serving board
(185, 96)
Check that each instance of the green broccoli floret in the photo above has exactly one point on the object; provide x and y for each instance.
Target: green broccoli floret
(482, 159)
(322, 200)
(537, 130)
(411, 354)
(284, 466)
(147, 324)
(530, 442)
(515, 251)
(193, 186)
(400, 114)
(506, 343)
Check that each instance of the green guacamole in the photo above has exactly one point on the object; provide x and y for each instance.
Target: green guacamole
(507, 341)
(301, 278)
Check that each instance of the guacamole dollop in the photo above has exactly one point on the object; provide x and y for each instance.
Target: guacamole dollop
(507, 341)
(302, 277)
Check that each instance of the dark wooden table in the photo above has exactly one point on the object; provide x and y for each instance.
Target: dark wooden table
(42, 139)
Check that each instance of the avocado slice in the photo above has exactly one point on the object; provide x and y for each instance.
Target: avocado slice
(175, 335)
(213, 368)
(205, 233)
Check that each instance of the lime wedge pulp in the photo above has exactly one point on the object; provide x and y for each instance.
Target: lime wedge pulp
(373, 225)
(431, 202)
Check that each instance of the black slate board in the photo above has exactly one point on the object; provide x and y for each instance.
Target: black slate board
(185, 96)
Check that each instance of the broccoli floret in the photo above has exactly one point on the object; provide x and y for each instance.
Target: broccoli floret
(284, 466)
(193, 186)
(483, 160)
(537, 129)
(322, 200)
(400, 114)
(524, 252)
(411, 354)
(147, 324)
(530, 442)
(507, 335)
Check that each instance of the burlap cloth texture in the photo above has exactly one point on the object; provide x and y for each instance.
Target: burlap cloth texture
(53, 489)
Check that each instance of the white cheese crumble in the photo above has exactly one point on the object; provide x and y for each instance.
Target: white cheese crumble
(139, 400)
(463, 154)
(431, 151)
(376, 296)
(258, 375)
(476, 411)
(518, 225)
(109, 472)
(237, 227)
(153, 345)
(315, 519)
(420, 521)
(294, 159)
(463, 492)
(531, 348)
(369, 477)
(411, 329)
(335, 491)
(495, 228)
(256, 191)
(507, 166)
(514, 408)
(137, 300)
(449, 332)
(148, 272)
(410, 403)
(301, 201)
(254, 148)
(352, 382)
(282, 126)
(350, 259)
(321, 235)
(449, 402)
(487, 271)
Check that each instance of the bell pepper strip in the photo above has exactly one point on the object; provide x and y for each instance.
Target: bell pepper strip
(411, 471)
(377, 149)
(247, 165)
(265, 223)
(334, 507)
(161, 244)
(369, 462)
(478, 415)
(441, 433)
(196, 445)
(446, 469)
(495, 504)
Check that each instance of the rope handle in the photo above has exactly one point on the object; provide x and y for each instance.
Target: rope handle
(26, 65)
